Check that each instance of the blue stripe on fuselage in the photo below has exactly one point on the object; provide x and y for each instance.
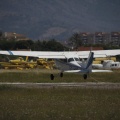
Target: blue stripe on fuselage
(10, 52)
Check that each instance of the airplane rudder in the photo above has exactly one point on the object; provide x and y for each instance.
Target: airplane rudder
(90, 60)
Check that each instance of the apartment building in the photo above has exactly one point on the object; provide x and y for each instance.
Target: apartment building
(86, 38)
(115, 39)
(14, 36)
(102, 38)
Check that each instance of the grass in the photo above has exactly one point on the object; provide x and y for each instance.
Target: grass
(40, 76)
(59, 103)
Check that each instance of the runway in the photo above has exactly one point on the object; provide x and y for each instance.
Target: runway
(96, 85)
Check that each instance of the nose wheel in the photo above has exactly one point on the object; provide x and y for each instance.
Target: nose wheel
(61, 74)
(52, 77)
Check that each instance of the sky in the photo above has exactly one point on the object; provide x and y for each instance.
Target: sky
(42, 19)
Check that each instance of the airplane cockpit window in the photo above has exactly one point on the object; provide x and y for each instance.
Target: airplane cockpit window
(77, 59)
(114, 65)
(70, 59)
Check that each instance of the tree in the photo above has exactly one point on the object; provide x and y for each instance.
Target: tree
(53, 45)
(1, 34)
(75, 41)
(56, 45)
(36, 46)
(7, 45)
(24, 44)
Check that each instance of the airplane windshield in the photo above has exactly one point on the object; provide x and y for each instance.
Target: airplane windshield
(70, 59)
(77, 59)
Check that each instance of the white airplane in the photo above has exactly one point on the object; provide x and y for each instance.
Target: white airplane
(107, 64)
(68, 61)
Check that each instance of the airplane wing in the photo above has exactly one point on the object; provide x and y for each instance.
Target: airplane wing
(62, 55)
(99, 53)
(39, 54)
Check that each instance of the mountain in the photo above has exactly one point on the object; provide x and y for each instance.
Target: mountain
(41, 19)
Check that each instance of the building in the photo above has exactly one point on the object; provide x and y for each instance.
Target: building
(101, 38)
(115, 39)
(14, 36)
(86, 38)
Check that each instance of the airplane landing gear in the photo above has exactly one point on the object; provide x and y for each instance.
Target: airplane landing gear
(85, 76)
(52, 77)
(61, 74)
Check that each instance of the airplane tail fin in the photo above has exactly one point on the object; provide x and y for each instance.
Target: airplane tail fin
(88, 65)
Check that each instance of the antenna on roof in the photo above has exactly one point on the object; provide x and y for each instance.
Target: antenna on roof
(91, 48)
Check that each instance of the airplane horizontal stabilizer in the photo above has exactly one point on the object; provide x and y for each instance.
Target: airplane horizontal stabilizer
(102, 71)
(72, 71)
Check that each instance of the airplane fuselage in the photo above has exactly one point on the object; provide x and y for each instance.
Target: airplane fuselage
(107, 64)
(63, 66)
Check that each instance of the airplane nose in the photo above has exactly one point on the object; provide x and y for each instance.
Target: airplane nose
(75, 63)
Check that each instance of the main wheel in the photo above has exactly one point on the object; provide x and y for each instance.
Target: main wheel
(85, 76)
(52, 77)
(61, 74)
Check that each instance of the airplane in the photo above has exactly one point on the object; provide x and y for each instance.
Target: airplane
(68, 61)
(107, 64)
(18, 63)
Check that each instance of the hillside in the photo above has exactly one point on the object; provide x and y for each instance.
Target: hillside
(41, 19)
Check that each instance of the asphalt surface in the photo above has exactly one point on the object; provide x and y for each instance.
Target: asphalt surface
(96, 85)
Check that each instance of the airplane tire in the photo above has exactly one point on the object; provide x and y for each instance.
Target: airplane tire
(52, 77)
(61, 74)
(85, 76)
